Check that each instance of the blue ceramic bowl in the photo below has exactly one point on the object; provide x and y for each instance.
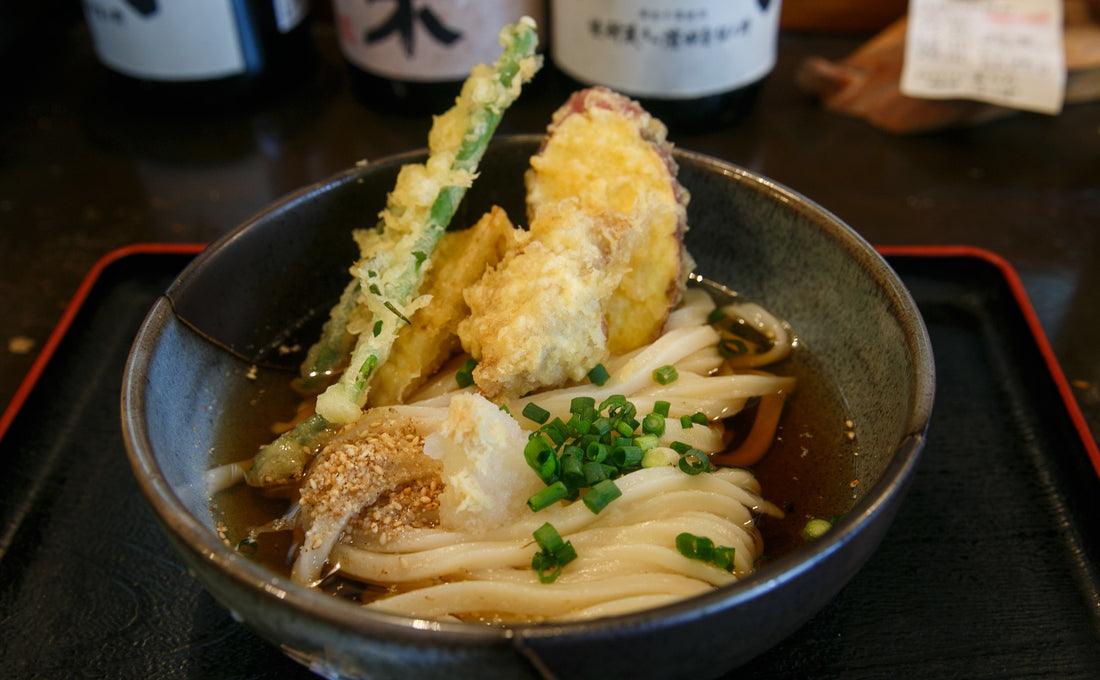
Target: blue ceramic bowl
(270, 282)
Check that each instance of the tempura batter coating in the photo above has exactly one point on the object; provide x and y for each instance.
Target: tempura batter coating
(538, 319)
(606, 151)
(604, 261)
(431, 338)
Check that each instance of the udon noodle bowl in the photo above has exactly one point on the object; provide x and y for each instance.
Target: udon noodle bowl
(563, 427)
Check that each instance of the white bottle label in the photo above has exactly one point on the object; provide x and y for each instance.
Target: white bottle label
(671, 49)
(289, 13)
(166, 39)
(424, 40)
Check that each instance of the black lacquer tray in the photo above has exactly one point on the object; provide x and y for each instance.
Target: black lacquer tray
(990, 570)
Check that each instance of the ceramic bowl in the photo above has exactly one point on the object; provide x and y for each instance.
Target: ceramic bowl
(268, 285)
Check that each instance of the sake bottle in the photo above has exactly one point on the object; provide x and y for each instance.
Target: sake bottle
(696, 64)
(201, 51)
(412, 56)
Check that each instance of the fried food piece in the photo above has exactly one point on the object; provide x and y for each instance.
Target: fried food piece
(423, 346)
(603, 149)
(377, 456)
(538, 319)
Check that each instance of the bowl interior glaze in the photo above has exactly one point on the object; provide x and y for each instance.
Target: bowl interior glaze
(269, 284)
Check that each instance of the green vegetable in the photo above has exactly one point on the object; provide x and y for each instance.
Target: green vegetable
(658, 456)
(600, 444)
(816, 528)
(332, 350)
(465, 375)
(601, 493)
(533, 411)
(694, 462)
(665, 375)
(654, 424)
(399, 249)
(703, 549)
(548, 496)
(542, 459)
(599, 375)
(554, 553)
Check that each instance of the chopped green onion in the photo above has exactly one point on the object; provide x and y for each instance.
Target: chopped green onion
(572, 472)
(816, 528)
(694, 462)
(654, 424)
(572, 451)
(556, 430)
(659, 456)
(567, 553)
(599, 375)
(465, 375)
(601, 494)
(548, 496)
(542, 459)
(716, 315)
(548, 538)
(626, 456)
(700, 418)
(665, 374)
(626, 427)
(680, 447)
(533, 411)
(248, 546)
(687, 422)
(694, 547)
(703, 549)
(597, 451)
(578, 425)
(646, 442)
(618, 408)
(582, 406)
(761, 559)
(599, 444)
(553, 554)
(601, 426)
(594, 472)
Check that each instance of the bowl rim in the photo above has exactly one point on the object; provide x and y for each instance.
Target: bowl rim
(190, 534)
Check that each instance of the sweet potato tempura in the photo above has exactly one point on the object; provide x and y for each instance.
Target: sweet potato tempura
(610, 154)
(603, 262)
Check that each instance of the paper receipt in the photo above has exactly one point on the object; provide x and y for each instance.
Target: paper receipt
(1006, 52)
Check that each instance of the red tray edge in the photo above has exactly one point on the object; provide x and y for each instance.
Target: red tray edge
(72, 308)
(1019, 293)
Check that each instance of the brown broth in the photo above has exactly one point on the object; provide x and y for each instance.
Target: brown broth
(809, 470)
